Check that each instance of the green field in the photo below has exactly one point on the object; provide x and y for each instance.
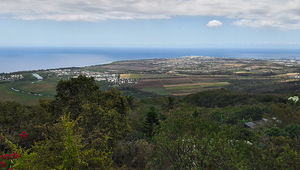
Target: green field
(195, 85)
(46, 88)
(6, 94)
(157, 90)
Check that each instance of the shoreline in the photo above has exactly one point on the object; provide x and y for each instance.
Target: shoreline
(283, 59)
(35, 59)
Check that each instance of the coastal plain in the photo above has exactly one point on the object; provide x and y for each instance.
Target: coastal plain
(160, 77)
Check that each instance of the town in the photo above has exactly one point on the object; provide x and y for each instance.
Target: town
(10, 77)
(113, 79)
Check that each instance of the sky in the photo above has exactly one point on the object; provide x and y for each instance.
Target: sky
(150, 23)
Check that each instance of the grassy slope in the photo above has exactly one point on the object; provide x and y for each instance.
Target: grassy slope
(6, 94)
(45, 87)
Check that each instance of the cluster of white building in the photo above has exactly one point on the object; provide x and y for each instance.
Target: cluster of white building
(11, 77)
(98, 76)
(61, 72)
(286, 62)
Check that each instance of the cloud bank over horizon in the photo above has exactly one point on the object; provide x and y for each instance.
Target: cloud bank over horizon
(282, 14)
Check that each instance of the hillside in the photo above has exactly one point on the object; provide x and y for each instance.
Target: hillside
(85, 127)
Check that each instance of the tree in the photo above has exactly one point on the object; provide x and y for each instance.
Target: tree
(276, 131)
(293, 130)
(150, 122)
(101, 112)
(131, 101)
(188, 142)
(113, 99)
(65, 149)
(73, 93)
(171, 103)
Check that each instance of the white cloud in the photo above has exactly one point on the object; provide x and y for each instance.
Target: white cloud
(283, 14)
(214, 23)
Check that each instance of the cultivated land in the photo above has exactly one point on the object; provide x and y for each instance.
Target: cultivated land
(178, 77)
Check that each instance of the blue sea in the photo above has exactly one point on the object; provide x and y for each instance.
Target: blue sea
(21, 59)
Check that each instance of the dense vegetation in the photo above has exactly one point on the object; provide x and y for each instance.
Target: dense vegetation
(88, 128)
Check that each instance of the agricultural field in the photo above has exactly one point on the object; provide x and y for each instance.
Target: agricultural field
(131, 76)
(160, 77)
(156, 90)
(182, 85)
(185, 89)
(28, 91)
(7, 94)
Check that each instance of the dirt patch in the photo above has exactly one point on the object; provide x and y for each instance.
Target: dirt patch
(181, 94)
(197, 84)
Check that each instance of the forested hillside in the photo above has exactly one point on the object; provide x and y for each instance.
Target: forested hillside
(85, 127)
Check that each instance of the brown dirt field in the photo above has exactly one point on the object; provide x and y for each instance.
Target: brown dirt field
(191, 91)
(242, 72)
(149, 83)
(161, 82)
(287, 74)
(125, 76)
(234, 65)
(176, 80)
(263, 67)
(181, 94)
(193, 84)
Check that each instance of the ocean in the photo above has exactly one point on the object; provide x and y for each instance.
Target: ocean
(23, 59)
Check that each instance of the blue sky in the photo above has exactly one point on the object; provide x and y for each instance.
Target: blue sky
(138, 23)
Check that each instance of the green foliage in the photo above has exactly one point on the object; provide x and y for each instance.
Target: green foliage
(15, 118)
(101, 112)
(132, 155)
(189, 142)
(170, 103)
(275, 131)
(281, 153)
(186, 142)
(131, 101)
(73, 93)
(285, 112)
(97, 120)
(72, 143)
(65, 150)
(105, 129)
(113, 99)
(237, 114)
(222, 98)
(150, 122)
(293, 130)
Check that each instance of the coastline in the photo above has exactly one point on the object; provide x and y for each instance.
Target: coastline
(34, 59)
